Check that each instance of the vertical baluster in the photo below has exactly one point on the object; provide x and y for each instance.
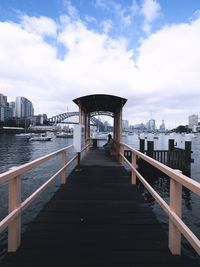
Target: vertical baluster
(63, 163)
(133, 174)
(14, 201)
(176, 206)
(121, 150)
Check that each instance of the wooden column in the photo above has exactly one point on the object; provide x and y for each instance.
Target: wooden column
(80, 115)
(88, 126)
(114, 126)
(14, 201)
(121, 151)
(63, 163)
(85, 125)
(133, 175)
(83, 119)
(176, 206)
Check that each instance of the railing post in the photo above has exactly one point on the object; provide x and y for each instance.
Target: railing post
(14, 201)
(150, 145)
(142, 142)
(133, 174)
(175, 206)
(188, 151)
(121, 151)
(63, 163)
(171, 144)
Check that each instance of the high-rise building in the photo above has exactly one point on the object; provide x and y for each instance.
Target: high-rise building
(5, 110)
(162, 127)
(23, 108)
(12, 107)
(193, 121)
(2, 113)
(3, 100)
(125, 125)
(39, 119)
(151, 125)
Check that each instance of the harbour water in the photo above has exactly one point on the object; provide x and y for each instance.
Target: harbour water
(15, 151)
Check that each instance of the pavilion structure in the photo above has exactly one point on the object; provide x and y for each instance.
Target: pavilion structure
(101, 104)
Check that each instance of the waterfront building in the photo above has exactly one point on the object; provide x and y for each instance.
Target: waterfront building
(141, 127)
(39, 119)
(3, 102)
(151, 125)
(2, 116)
(125, 125)
(6, 111)
(162, 127)
(23, 108)
(193, 121)
(12, 108)
(44, 128)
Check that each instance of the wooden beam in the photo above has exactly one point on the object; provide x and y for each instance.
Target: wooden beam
(14, 201)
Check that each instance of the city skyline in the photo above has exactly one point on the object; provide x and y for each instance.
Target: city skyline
(133, 48)
(192, 119)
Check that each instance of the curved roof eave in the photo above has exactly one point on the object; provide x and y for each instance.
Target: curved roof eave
(100, 102)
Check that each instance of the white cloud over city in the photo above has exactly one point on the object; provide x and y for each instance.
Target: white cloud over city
(160, 75)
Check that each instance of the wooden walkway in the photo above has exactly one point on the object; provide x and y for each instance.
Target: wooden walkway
(96, 219)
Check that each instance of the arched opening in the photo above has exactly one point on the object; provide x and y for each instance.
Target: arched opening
(111, 105)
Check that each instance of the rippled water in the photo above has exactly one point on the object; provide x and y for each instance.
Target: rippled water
(15, 151)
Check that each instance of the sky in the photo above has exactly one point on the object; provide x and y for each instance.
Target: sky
(148, 51)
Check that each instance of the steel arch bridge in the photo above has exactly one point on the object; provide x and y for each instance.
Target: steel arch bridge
(61, 117)
(94, 121)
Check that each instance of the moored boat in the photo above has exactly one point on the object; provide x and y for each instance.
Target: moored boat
(40, 138)
(64, 135)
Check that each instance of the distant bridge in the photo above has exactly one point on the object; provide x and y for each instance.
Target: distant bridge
(60, 118)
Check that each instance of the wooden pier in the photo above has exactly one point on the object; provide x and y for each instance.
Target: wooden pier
(98, 218)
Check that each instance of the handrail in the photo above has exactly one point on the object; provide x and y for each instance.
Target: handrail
(6, 176)
(16, 207)
(179, 177)
(173, 210)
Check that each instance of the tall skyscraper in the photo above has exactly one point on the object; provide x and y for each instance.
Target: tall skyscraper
(162, 127)
(151, 125)
(12, 107)
(23, 107)
(3, 100)
(193, 121)
(5, 110)
(125, 125)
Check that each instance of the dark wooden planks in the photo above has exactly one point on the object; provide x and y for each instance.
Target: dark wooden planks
(97, 219)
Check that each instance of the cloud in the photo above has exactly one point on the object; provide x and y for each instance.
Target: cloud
(71, 10)
(101, 4)
(150, 9)
(90, 19)
(164, 78)
(39, 25)
(171, 59)
(107, 25)
(195, 15)
(124, 14)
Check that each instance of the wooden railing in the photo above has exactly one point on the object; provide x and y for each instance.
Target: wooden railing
(173, 158)
(15, 206)
(176, 225)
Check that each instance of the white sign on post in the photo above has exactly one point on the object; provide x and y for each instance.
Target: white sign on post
(79, 137)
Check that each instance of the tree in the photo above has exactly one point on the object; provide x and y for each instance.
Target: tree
(182, 129)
